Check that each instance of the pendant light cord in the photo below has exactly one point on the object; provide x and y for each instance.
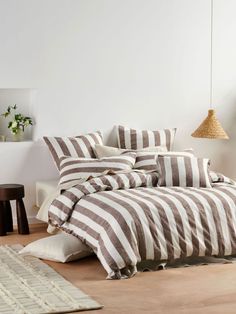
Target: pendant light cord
(211, 57)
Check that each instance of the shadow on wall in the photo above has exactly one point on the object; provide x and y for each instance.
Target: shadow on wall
(111, 138)
(226, 161)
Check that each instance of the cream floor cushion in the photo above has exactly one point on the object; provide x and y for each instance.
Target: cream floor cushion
(61, 247)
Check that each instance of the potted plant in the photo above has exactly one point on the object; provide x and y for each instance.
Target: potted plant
(18, 122)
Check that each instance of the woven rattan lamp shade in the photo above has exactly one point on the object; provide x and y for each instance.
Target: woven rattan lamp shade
(210, 128)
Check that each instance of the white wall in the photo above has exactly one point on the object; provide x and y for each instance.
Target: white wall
(97, 63)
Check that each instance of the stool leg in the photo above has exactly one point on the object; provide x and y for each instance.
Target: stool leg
(2, 220)
(22, 222)
(8, 216)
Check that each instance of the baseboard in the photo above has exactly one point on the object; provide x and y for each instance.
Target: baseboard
(31, 220)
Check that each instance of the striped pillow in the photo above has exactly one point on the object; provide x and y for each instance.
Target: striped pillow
(79, 146)
(217, 177)
(138, 139)
(183, 171)
(72, 169)
(148, 160)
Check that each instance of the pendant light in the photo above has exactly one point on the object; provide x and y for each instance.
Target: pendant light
(211, 127)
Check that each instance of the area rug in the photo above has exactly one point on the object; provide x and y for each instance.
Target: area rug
(30, 286)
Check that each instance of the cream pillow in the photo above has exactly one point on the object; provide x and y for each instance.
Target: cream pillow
(145, 158)
(109, 151)
(61, 247)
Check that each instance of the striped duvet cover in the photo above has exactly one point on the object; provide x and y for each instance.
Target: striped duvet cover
(125, 218)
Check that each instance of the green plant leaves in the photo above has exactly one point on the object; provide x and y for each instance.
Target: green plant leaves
(19, 121)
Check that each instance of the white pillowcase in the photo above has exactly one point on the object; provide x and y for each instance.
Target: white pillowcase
(61, 247)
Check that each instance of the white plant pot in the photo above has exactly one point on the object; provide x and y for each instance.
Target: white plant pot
(18, 137)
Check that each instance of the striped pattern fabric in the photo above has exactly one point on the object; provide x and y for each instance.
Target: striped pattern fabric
(72, 169)
(183, 171)
(217, 177)
(138, 139)
(79, 146)
(148, 160)
(125, 218)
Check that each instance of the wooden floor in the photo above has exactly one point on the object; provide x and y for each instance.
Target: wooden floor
(203, 289)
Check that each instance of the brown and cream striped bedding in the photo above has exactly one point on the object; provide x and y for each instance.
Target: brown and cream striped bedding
(79, 146)
(148, 160)
(138, 139)
(184, 171)
(72, 169)
(126, 218)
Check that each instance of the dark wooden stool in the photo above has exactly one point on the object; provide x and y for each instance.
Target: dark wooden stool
(10, 192)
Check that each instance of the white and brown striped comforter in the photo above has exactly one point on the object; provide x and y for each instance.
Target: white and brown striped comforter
(126, 218)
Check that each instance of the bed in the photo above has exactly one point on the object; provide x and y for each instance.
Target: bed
(126, 218)
(45, 193)
(44, 189)
(141, 203)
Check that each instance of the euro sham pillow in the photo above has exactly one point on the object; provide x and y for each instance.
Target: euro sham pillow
(72, 169)
(184, 171)
(79, 146)
(61, 247)
(138, 139)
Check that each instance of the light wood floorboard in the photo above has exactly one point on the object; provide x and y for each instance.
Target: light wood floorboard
(205, 289)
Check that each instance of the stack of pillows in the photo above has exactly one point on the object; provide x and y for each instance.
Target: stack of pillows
(84, 156)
